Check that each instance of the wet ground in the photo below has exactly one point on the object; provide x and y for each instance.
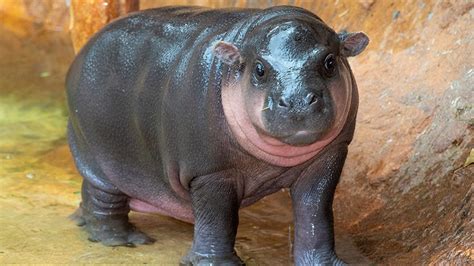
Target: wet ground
(403, 203)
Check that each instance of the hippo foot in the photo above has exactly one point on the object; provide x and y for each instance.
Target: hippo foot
(110, 230)
(194, 258)
(310, 258)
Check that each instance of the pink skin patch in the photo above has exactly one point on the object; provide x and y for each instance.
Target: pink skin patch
(244, 121)
(167, 206)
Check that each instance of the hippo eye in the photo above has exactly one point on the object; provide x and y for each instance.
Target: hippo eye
(330, 65)
(259, 69)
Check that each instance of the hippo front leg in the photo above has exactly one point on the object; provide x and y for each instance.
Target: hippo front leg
(312, 196)
(216, 203)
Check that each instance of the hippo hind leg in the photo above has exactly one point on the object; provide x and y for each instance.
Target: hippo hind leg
(105, 218)
(104, 209)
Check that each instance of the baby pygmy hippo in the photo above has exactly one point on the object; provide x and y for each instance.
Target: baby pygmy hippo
(194, 113)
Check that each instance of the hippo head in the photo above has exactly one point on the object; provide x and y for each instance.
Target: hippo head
(293, 85)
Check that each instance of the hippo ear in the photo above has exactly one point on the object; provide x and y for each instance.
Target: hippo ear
(227, 52)
(353, 43)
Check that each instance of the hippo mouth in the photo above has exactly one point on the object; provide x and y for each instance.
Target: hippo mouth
(302, 138)
(299, 138)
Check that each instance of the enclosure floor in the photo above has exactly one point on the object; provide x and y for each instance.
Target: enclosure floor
(39, 186)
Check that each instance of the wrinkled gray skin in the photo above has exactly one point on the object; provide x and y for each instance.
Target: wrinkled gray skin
(147, 125)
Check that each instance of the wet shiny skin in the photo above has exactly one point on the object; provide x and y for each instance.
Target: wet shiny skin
(147, 123)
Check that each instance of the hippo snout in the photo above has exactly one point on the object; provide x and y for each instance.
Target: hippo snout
(310, 99)
(298, 117)
(300, 107)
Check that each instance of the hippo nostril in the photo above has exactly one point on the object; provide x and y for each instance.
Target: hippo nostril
(283, 103)
(311, 98)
